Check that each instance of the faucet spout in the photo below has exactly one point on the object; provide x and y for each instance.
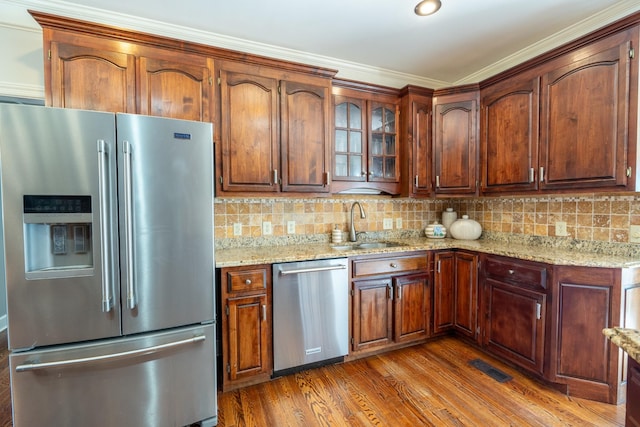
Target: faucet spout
(352, 229)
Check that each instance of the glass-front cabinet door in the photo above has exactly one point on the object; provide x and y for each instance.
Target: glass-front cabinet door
(383, 154)
(350, 139)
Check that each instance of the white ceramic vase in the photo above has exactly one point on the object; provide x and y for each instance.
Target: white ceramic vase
(465, 229)
(448, 217)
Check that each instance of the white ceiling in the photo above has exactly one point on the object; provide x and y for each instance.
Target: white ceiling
(377, 41)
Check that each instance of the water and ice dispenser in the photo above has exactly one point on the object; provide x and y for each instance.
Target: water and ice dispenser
(57, 236)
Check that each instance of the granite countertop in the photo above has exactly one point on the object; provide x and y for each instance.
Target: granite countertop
(626, 339)
(270, 254)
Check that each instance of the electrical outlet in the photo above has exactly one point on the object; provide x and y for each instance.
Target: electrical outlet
(634, 234)
(291, 227)
(387, 224)
(237, 229)
(266, 228)
(561, 228)
(398, 223)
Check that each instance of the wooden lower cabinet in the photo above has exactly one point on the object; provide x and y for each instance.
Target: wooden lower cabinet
(633, 394)
(246, 325)
(585, 301)
(455, 293)
(390, 300)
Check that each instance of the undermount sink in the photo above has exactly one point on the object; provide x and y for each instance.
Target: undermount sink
(367, 245)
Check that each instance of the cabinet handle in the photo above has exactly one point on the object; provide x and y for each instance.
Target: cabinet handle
(511, 271)
(327, 179)
(264, 312)
(541, 173)
(438, 181)
(393, 265)
(415, 180)
(538, 310)
(438, 266)
(399, 292)
(247, 282)
(275, 176)
(390, 290)
(531, 174)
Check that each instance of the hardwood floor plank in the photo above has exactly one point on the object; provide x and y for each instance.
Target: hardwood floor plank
(424, 385)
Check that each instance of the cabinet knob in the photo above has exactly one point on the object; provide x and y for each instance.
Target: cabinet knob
(247, 282)
(511, 271)
(393, 265)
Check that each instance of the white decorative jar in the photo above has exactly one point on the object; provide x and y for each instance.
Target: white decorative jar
(448, 217)
(435, 231)
(465, 229)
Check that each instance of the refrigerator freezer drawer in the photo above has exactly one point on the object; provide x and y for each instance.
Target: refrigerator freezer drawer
(161, 379)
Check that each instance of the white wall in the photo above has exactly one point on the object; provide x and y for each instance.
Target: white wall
(22, 68)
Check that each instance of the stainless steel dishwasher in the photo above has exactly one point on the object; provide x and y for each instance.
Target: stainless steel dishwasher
(310, 313)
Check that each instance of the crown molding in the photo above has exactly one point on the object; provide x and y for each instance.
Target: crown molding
(21, 90)
(346, 69)
(618, 11)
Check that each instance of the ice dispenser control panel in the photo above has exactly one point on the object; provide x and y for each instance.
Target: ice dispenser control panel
(57, 236)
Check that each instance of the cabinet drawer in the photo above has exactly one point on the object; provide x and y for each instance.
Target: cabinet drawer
(247, 280)
(389, 265)
(520, 273)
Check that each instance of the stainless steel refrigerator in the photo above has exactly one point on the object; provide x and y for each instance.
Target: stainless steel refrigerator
(107, 225)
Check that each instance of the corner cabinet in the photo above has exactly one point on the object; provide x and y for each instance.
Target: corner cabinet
(416, 139)
(390, 301)
(366, 144)
(274, 131)
(455, 141)
(455, 293)
(246, 325)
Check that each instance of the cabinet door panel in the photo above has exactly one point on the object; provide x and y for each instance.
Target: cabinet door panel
(584, 132)
(443, 292)
(412, 307)
(455, 147)
(92, 79)
(249, 132)
(466, 294)
(304, 137)
(248, 345)
(350, 139)
(179, 89)
(515, 326)
(422, 148)
(372, 313)
(510, 137)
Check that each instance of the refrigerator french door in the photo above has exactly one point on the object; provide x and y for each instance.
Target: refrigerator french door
(109, 268)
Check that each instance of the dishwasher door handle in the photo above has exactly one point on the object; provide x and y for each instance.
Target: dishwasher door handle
(312, 269)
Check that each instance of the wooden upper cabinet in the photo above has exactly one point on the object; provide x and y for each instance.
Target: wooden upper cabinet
(274, 132)
(585, 119)
(90, 78)
(305, 137)
(249, 132)
(180, 88)
(455, 143)
(366, 145)
(350, 148)
(509, 140)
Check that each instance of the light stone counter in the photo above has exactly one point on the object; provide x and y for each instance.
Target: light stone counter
(309, 251)
(626, 339)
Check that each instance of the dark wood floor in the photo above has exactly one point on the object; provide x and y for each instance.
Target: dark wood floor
(424, 385)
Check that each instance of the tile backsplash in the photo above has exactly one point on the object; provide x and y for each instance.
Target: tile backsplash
(589, 217)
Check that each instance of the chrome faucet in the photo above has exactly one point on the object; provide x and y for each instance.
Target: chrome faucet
(352, 229)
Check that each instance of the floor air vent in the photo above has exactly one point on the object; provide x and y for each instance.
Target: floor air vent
(494, 373)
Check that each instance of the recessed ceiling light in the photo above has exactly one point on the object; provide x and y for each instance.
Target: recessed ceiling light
(427, 7)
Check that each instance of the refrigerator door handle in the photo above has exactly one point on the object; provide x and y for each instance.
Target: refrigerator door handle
(33, 366)
(128, 213)
(107, 244)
